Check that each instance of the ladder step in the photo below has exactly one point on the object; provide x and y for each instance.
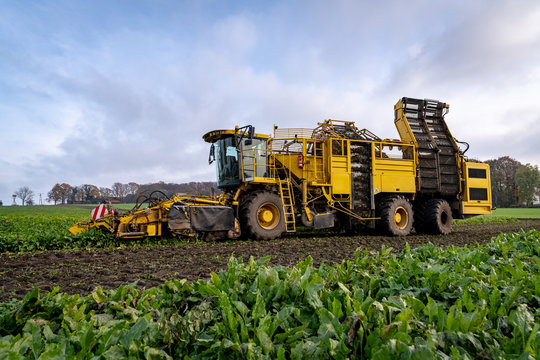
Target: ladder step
(287, 201)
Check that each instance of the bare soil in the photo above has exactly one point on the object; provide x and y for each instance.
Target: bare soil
(81, 271)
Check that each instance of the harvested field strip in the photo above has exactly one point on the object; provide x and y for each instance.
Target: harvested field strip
(80, 271)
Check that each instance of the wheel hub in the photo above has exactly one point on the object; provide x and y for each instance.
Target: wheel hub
(401, 217)
(268, 216)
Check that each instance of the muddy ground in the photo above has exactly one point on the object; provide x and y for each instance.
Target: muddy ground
(82, 270)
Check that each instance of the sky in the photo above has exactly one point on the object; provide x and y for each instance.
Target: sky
(97, 92)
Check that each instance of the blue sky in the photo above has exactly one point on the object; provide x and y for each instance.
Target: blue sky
(94, 92)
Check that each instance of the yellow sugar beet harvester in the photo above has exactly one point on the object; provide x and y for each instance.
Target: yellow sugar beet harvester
(333, 176)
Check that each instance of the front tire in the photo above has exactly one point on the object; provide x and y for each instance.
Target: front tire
(262, 216)
(396, 216)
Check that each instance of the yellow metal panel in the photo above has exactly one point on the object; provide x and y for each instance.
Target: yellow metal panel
(312, 170)
(263, 180)
(340, 175)
(402, 125)
(290, 161)
(77, 229)
(215, 135)
(377, 183)
(151, 229)
(474, 206)
(394, 175)
(398, 183)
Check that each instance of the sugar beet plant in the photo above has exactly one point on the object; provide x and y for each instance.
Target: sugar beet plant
(479, 302)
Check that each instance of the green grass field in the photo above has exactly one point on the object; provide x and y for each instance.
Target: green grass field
(116, 206)
(520, 213)
(50, 210)
(502, 215)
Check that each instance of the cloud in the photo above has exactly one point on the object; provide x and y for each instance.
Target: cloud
(102, 93)
(486, 65)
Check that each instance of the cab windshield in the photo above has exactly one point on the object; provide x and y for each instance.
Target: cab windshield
(227, 156)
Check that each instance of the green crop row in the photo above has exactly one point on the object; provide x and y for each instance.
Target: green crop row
(479, 302)
(44, 231)
(38, 228)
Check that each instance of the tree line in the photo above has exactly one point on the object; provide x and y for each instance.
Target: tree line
(513, 183)
(64, 193)
(87, 193)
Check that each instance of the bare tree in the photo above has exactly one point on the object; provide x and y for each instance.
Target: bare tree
(132, 188)
(119, 190)
(25, 194)
(105, 193)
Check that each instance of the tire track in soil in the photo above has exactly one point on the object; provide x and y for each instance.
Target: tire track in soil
(80, 271)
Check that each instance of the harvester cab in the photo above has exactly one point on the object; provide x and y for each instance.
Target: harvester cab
(241, 155)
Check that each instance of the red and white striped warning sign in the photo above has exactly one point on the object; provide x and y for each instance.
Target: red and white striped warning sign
(99, 211)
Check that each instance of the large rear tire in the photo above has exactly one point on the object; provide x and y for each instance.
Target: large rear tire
(420, 217)
(262, 216)
(396, 216)
(437, 217)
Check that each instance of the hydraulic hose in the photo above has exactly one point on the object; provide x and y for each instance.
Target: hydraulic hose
(464, 143)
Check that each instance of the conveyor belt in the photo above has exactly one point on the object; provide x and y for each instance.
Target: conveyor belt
(437, 149)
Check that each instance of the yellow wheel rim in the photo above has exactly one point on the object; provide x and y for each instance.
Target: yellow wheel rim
(401, 217)
(268, 216)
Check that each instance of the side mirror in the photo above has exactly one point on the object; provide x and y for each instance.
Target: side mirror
(212, 155)
(251, 132)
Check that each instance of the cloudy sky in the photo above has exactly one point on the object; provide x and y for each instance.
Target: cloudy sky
(103, 91)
